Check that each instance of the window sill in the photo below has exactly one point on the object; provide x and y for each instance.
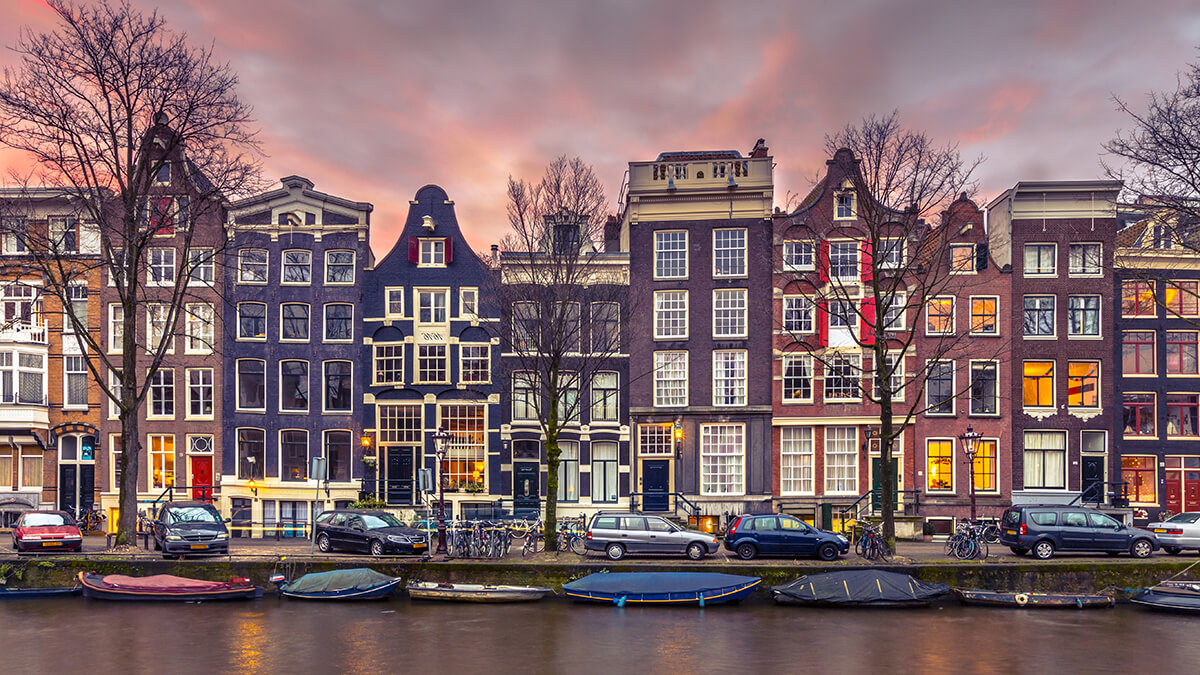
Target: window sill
(1085, 275)
(347, 411)
(250, 339)
(1040, 275)
(201, 418)
(189, 352)
(1182, 438)
(339, 283)
(1127, 437)
(292, 283)
(1085, 337)
(995, 334)
(251, 283)
(337, 342)
(293, 341)
(292, 412)
(993, 415)
(803, 401)
(1043, 338)
(255, 411)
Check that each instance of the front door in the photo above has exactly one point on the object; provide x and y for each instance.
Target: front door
(877, 483)
(201, 479)
(400, 476)
(1191, 490)
(527, 487)
(656, 484)
(87, 486)
(1091, 478)
(240, 525)
(67, 488)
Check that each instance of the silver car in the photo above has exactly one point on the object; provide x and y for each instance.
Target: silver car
(1178, 532)
(620, 533)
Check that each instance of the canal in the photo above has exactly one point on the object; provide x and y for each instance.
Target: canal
(271, 636)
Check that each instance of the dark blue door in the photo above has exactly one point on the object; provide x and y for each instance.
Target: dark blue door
(656, 484)
(527, 488)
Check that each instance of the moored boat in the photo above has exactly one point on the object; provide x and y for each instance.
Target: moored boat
(10, 593)
(858, 588)
(1171, 596)
(362, 583)
(661, 588)
(431, 590)
(1033, 600)
(165, 587)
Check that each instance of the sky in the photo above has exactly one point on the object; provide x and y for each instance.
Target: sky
(372, 99)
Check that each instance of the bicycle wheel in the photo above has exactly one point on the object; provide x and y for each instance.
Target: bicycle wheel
(578, 545)
(983, 549)
(885, 552)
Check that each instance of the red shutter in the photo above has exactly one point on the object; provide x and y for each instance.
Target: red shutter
(414, 251)
(823, 323)
(867, 323)
(823, 261)
(868, 263)
(449, 250)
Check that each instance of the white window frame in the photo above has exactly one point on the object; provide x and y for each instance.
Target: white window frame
(794, 254)
(166, 338)
(995, 365)
(745, 248)
(714, 437)
(792, 443)
(893, 254)
(187, 410)
(1099, 318)
(150, 453)
(279, 388)
(116, 328)
(658, 310)
(805, 361)
(431, 252)
(1054, 258)
(1099, 271)
(160, 267)
(856, 274)
(929, 403)
(971, 314)
(161, 380)
(854, 362)
(953, 316)
(468, 303)
(418, 307)
(353, 263)
(283, 320)
(202, 266)
(81, 369)
(1053, 317)
(741, 294)
(391, 296)
(200, 335)
(325, 322)
(970, 269)
(486, 359)
(266, 323)
(247, 279)
(831, 481)
(953, 465)
(418, 376)
(805, 311)
(852, 213)
(898, 385)
(899, 298)
(237, 385)
(658, 251)
(734, 387)
(397, 353)
(325, 389)
(284, 264)
(662, 360)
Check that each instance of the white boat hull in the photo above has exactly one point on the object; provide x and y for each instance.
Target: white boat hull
(475, 592)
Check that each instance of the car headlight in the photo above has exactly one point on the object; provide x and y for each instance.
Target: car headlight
(32, 537)
(843, 539)
(174, 537)
(72, 536)
(220, 535)
(399, 539)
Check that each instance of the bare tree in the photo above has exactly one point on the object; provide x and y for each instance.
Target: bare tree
(147, 137)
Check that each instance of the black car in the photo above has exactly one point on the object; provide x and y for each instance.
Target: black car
(750, 536)
(1050, 528)
(374, 532)
(183, 528)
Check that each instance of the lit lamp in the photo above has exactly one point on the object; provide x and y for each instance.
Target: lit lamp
(970, 439)
(253, 486)
(440, 438)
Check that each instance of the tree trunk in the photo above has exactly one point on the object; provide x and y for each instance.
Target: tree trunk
(886, 436)
(551, 526)
(127, 500)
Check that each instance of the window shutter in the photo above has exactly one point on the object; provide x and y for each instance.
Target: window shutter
(449, 250)
(867, 322)
(822, 323)
(868, 266)
(823, 261)
(414, 250)
(981, 257)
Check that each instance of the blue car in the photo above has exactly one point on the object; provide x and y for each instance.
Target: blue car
(751, 536)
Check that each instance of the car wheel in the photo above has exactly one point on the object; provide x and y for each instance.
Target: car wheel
(746, 551)
(376, 548)
(1043, 550)
(1017, 550)
(827, 552)
(696, 551)
(614, 551)
(1142, 548)
(323, 543)
(1172, 550)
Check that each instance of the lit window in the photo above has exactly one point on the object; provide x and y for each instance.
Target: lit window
(1137, 298)
(1038, 384)
(1182, 415)
(162, 461)
(984, 316)
(1140, 476)
(940, 465)
(1181, 352)
(962, 258)
(1138, 414)
(1182, 298)
(985, 465)
(1083, 384)
(939, 317)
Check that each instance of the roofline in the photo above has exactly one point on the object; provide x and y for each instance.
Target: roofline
(306, 190)
(1058, 186)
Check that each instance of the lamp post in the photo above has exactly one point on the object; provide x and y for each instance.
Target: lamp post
(970, 439)
(440, 438)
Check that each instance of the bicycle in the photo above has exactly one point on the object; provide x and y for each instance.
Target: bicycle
(872, 546)
(572, 537)
(89, 520)
(968, 542)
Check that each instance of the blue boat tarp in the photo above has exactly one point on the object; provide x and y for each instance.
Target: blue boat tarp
(661, 586)
(339, 581)
(858, 587)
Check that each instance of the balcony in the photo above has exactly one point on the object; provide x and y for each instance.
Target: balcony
(14, 415)
(30, 332)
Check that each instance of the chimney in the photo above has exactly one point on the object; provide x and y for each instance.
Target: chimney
(495, 255)
(760, 148)
(612, 234)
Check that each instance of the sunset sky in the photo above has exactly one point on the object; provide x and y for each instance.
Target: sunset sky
(373, 99)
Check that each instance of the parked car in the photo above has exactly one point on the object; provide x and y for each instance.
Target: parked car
(374, 532)
(46, 531)
(1178, 532)
(750, 536)
(1047, 529)
(183, 528)
(618, 534)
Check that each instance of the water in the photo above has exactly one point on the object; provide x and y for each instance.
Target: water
(68, 635)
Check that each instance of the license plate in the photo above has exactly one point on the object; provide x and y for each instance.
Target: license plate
(51, 543)
(1159, 530)
(419, 545)
(199, 546)
(1010, 532)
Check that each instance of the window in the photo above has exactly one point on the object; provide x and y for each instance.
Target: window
(252, 321)
(670, 254)
(157, 336)
(468, 303)
(339, 323)
(984, 388)
(568, 471)
(729, 378)
(572, 330)
(162, 461)
(525, 396)
(729, 313)
(1181, 352)
(1182, 298)
(116, 328)
(939, 389)
(337, 456)
(798, 314)
(116, 447)
(526, 328)
(293, 386)
(467, 449)
(1083, 316)
(200, 392)
(939, 317)
(605, 397)
(729, 253)
(389, 363)
(893, 313)
(395, 302)
(568, 397)
(1083, 260)
(1182, 415)
(476, 363)
(162, 175)
(432, 363)
(842, 376)
(251, 384)
(252, 266)
(842, 314)
(14, 233)
(1083, 384)
(1093, 441)
(339, 267)
(293, 322)
(796, 460)
(604, 472)
(338, 386)
(797, 378)
(297, 267)
(64, 235)
(843, 206)
(198, 326)
(432, 306)
(890, 255)
(606, 327)
(655, 440)
(1137, 298)
(27, 370)
(433, 253)
(962, 258)
(670, 315)
(162, 266)
(1137, 352)
(162, 393)
(1045, 459)
(1039, 316)
(1138, 414)
(722, 459)
(984, 313)
(1141, 477)
(201, 266)
(670, 379)
(77, 307)
(841, 460)
(893, 370)
(251, 454)
(1040, 259)
(114, 385)
(798, 256)
(75, 382)
(293, 455)
(1038, 384)
(843, 261)
(986, 458)
(939, 465)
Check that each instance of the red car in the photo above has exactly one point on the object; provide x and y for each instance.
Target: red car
(46, 531)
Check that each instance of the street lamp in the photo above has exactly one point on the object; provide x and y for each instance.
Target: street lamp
(440, 438)
(970, 440)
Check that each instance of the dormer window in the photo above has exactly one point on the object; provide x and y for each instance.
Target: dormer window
(844, 206)
(163, 175)
(433, 252)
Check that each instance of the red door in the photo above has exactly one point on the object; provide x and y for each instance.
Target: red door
(1191, 490)
(202, 478)
(1174, 492)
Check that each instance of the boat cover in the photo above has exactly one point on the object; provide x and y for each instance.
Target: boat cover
(360, 579)
(164, 583)
(860, 587)
(637, 583)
